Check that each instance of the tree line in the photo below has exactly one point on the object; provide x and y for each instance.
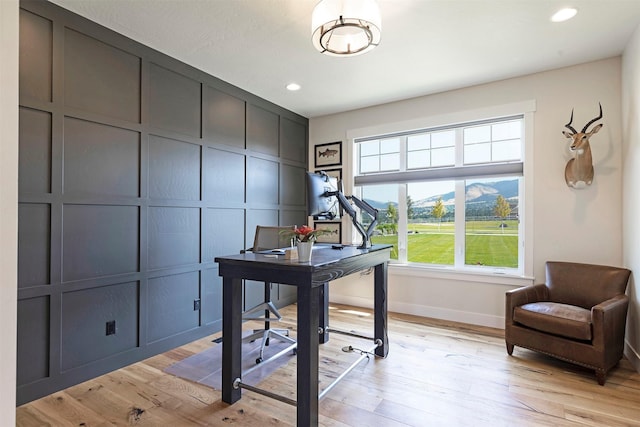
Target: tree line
(388, 218)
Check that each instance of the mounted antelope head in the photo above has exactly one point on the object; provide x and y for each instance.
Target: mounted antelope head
(579, 171)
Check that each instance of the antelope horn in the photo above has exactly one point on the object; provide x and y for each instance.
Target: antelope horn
(584, 129)
(568, 125)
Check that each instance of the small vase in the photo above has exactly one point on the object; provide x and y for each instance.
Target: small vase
(304, 251)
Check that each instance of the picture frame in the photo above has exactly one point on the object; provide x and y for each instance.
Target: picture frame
(329, 154)
(337, 173)
(335, 234)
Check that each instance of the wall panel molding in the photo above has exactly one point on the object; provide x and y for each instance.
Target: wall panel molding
(136, 170)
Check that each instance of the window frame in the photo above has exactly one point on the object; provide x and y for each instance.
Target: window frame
(524, 110)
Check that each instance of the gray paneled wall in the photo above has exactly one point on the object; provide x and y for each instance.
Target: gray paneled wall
(135, 172)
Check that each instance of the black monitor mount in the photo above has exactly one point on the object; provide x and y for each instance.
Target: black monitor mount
(364, 207)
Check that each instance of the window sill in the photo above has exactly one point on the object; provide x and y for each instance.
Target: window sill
(447, 273)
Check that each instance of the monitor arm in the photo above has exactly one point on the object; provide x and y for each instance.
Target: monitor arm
(362, 205)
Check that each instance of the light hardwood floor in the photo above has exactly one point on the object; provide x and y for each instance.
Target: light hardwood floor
(437, 374)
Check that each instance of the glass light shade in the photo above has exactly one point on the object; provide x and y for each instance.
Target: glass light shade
(564, 14)
(345, 27)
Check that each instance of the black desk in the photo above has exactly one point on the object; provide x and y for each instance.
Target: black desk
(312, 280)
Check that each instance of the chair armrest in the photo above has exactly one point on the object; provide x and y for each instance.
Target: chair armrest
(609, 320)
(611, 305)
(528, 294)
(524, 295)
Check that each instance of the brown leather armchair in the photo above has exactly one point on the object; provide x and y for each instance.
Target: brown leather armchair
(578, 315)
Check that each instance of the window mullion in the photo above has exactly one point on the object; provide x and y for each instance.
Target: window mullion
(459, 149)
(402, 223)
(459, 218)
(459, 244)
(402, 149)
(402, 204)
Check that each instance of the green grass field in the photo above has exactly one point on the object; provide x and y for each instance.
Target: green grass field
(487, 243)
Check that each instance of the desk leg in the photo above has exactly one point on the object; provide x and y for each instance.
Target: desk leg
(380, 309)
(231, 338)
(307, 381)
(324, 313)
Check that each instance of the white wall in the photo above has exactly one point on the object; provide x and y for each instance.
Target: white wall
(631, 197)
(8, 206)
(569, 225)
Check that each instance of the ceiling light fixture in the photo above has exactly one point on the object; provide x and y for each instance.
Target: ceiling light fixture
(293, 87)
(564, 14)
(345, 27)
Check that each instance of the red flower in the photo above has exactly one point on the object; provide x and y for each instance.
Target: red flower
(304, 233)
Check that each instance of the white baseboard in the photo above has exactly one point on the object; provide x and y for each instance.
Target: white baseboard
(426, 311)
(632, 355)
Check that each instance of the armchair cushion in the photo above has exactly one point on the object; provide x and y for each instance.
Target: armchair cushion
(555, 318)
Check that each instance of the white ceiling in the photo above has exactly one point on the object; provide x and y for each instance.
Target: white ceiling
(427, 46)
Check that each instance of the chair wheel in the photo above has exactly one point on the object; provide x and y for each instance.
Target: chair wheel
(258, 360)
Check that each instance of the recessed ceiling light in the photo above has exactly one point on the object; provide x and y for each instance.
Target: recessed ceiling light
(564, 14)
(293, 87)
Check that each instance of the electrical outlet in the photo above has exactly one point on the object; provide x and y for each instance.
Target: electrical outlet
(111, 327)
(196, 305)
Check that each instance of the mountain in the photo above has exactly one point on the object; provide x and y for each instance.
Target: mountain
(479, 193)
(379, 205)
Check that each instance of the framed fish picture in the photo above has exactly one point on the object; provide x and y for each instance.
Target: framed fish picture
(329, 154)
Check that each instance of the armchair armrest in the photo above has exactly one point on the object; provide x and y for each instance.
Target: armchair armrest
(524, 295)
(609, 320)
(528, 294)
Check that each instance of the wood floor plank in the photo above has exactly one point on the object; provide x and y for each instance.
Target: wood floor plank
(352, 415)
(61, 409)
(438, 373)
(32, 416)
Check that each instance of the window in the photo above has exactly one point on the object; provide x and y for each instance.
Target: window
(448, 196)
(431, 150)
(492, 142)
(430, 222)
(380, 155)
(387, 229)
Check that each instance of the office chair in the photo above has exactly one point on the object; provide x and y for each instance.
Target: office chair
(267, 238)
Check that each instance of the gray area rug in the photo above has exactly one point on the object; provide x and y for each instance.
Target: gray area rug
(206, 367)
